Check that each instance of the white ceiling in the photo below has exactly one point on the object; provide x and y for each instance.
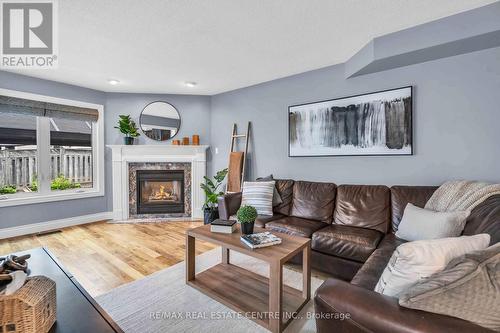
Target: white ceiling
(154, 46)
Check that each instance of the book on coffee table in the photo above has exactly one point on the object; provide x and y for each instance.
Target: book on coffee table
(223, 226)
(261, 239)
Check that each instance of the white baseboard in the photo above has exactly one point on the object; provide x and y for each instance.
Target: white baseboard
(53, 225)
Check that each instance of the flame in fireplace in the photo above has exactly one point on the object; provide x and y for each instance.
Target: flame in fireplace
(163, 194)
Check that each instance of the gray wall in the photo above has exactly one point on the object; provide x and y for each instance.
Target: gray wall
(195, 119)
(194, 111)
(26, 214)
(456, 123)
(195, 116)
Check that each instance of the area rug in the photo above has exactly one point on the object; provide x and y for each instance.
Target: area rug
(162, 302)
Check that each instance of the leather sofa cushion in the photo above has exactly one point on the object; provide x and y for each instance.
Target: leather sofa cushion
(485, 218)
(314, 201)
(337, 267)
(402, 195)
(262, 220)
(285, 190)
(369, 274)
(366, 206)
(347, 242)
(295, 226)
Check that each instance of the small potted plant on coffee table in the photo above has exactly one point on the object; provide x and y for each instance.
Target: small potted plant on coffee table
(246, 216)
(127, 126)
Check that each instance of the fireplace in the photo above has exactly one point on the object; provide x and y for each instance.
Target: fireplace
(160, 191)
(127, 160)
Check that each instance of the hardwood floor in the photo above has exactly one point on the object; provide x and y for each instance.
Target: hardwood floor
(103, 256)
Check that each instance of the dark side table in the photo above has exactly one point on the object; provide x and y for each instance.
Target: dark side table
(77, 311)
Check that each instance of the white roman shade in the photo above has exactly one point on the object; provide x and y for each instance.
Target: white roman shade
(44, 109)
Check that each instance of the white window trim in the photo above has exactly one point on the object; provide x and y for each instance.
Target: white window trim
(98, 162)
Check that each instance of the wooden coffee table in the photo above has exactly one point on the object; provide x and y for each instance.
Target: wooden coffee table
(265, 301)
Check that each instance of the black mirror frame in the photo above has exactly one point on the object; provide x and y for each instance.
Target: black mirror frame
(178, 128)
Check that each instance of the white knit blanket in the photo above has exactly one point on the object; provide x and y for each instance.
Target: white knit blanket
(461, 195)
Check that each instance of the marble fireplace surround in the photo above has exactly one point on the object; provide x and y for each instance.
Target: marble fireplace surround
(132, 187)
(127, 158)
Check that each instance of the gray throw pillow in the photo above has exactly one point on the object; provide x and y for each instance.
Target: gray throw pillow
(468, 288)
(276, 195)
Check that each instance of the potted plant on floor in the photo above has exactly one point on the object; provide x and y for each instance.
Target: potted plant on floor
(212, 192)
(127, 126)
(246, 216)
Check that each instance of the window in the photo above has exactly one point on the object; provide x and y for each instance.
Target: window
(50, 149)
(18, 154)
(70, 154)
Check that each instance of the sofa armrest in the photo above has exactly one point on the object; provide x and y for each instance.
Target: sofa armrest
(343, 307)
(229, 204)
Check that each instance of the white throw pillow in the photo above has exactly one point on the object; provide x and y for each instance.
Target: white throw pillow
(419, 223)
(259, 195)
(417, 260)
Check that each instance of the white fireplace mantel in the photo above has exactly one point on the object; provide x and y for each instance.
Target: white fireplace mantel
(122, 155)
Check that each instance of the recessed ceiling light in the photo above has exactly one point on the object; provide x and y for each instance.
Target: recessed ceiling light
(113, 82)
(190, 84)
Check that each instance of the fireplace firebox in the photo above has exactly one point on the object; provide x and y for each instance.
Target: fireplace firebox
(160, 191)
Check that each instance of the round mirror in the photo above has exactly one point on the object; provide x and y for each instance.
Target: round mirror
(160, 121)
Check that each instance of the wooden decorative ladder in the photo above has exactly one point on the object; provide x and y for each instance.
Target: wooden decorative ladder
(237, 161)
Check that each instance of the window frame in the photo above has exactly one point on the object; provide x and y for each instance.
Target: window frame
(44, 194)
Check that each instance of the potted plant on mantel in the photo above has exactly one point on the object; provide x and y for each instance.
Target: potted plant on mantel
(127, 126)
(211, 189)
(246, 216)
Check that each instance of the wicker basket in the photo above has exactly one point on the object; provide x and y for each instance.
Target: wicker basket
(31, 309)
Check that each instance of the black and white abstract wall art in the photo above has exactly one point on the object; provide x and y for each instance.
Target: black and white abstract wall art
(378, 123)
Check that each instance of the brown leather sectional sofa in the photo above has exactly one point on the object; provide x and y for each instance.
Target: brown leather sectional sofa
(352, 230)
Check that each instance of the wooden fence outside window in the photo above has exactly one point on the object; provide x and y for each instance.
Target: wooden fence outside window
(18, 167)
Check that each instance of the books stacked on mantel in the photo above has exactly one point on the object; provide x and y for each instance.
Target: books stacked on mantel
(261, 239)
(223, 226)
